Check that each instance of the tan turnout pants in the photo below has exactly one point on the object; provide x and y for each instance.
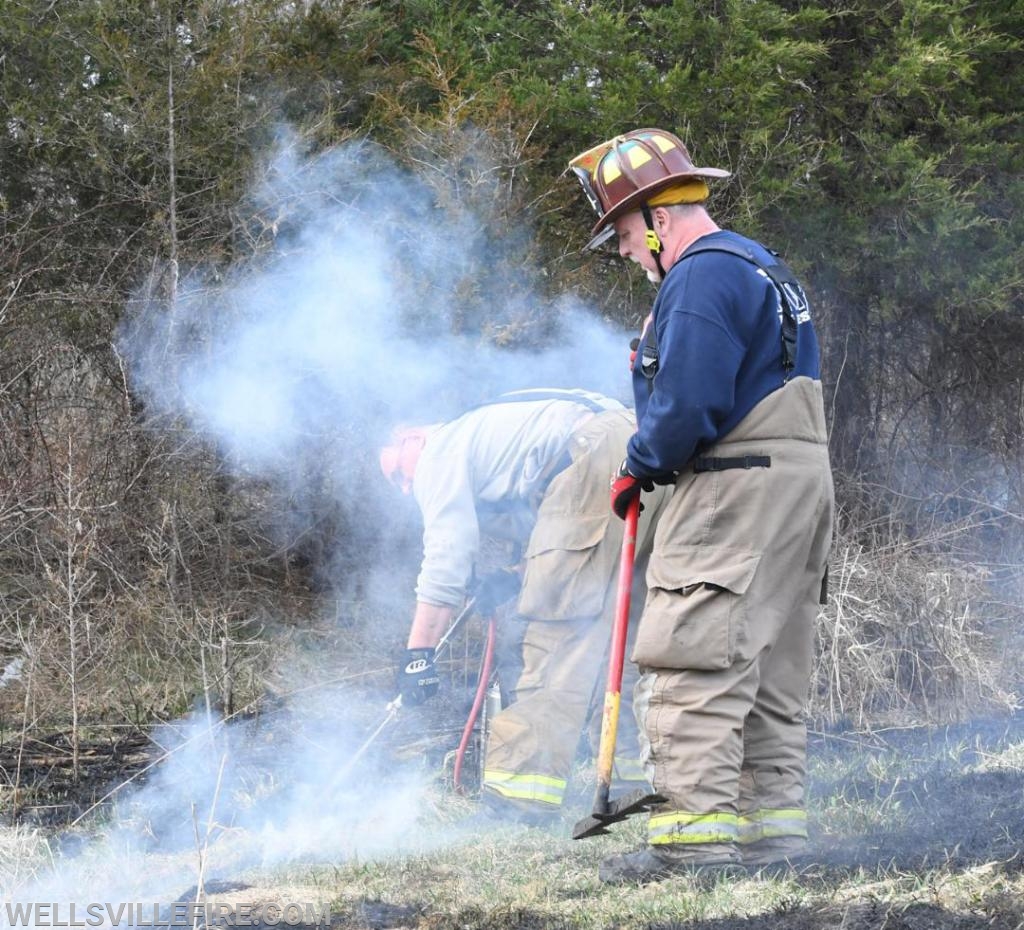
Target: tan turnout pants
(726, 638)
(565, 612)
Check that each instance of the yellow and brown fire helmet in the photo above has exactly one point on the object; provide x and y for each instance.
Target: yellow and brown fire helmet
(638, 170)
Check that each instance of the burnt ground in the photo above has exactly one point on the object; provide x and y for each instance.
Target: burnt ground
(45, 788)
(943, 810)
(873, 916)
(945, 817)
(938, 813)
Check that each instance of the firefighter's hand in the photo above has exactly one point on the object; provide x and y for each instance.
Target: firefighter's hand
(417, 677)
(626, 488)
(496, 588)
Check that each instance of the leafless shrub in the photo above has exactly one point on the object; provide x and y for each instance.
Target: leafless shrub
(134, 575)
(911, 632)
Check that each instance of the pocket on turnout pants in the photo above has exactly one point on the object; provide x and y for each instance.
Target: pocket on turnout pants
(569, 565)
(696, 610)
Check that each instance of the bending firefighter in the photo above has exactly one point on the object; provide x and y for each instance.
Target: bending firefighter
(534, 467)
(730, 415)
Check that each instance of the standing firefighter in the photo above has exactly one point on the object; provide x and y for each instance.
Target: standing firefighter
(537, 462)
(729, 409)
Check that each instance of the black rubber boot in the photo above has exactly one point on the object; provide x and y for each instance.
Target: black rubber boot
(775, 851)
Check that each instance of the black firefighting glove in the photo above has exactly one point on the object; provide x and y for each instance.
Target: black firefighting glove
(626, 488)
(496, 588)
(417, 677)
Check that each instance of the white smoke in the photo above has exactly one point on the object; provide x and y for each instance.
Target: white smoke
(226, 797)
(355, 315)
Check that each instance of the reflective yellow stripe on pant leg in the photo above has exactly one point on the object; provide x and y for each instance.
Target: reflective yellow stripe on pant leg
(762, 824)
(683, 827)
(750, 828)
(526, 787)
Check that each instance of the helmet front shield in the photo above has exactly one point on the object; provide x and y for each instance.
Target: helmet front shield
(584, 166)
(601, 238)
(586, 182)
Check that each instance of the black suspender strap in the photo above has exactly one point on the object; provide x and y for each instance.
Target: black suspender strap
(708, 463)
(794, 308)
(648, 355)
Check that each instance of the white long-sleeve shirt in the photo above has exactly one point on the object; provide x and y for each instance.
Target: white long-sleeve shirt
(497, 456)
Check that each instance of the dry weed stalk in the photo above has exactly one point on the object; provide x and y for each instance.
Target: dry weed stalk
(203, 842)
(906, 637)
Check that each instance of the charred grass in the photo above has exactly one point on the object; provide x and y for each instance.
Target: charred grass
(911, 829)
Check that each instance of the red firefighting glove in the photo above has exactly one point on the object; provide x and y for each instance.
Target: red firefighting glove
(417, 677)
(626, 488)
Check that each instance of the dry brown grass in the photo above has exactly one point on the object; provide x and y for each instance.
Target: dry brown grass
(911, 634)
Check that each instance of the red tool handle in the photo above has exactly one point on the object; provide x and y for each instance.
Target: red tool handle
(622, 598)
(478, 700)
(616, 660)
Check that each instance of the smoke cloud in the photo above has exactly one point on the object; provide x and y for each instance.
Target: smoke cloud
(230, 797)
(377, 297)
(375, 304)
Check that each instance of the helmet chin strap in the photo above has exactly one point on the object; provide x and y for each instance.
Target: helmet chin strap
(652, 240)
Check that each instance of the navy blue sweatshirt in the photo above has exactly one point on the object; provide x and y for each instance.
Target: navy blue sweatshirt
(719, 338)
